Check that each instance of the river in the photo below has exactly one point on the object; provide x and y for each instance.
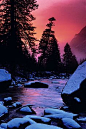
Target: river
(40, 98)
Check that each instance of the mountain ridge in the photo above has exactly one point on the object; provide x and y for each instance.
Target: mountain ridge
(78, 44)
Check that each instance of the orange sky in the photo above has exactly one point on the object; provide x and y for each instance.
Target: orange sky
(70, 18)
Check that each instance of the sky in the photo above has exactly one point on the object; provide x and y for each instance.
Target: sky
(70, 18)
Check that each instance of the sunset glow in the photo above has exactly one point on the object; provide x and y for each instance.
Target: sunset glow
(70, 18)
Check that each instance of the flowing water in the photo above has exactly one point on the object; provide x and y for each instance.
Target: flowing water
(40, 98)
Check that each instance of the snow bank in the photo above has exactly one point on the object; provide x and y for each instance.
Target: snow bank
(75, 80)
(42, 126)
(58, 113)
(4, 75)
(38, 118)
(70, 123)
(17, 122)
(3, 110)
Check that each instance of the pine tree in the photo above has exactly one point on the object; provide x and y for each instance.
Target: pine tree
(16, 29)
(69, 60)
(50, 55)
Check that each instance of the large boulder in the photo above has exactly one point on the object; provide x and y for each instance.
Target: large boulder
(5, 79)
(74, 92)
(35, 84)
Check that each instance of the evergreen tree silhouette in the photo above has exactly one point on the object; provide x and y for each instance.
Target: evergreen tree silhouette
(69, 60)
(16, 29)
(50, 55)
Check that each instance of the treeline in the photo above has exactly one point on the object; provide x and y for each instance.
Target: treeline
(17, 42)
(50, 58)
(17, 34)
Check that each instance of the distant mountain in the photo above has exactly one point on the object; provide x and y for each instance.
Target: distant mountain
(78, 44)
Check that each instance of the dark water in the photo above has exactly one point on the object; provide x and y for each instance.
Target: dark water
(41, 98)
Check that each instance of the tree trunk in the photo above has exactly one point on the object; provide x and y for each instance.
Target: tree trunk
(13, 38)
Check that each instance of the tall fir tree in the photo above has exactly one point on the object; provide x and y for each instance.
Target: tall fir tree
(69, 60)
(16, 29)
(50, 54)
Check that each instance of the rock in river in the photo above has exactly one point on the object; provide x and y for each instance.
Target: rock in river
(36, 84)
(74, 92)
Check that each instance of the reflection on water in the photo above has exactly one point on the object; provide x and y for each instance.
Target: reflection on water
(39, 97)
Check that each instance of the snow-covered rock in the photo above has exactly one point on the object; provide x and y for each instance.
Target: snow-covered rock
(55, 82)
(19, 85)
(20, 80)
(74, 92)
(35, 84)
(17, 104)
(1, 103)
(77, 99)
(39, 119)
(27, 110)
(3, 110)
(1, 128)
(13, 83)
(4, 125)
(31, 79)
(5, 79)
(11, 86)
(59, 116)
(65, 108)
(42, 126)
(4, 75)
(70, 123)
(82, 119)
(56, 113)
(18, 122)
(7, 101)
